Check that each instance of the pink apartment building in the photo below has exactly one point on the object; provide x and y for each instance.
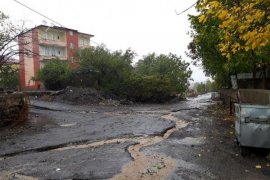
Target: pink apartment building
(46, 43)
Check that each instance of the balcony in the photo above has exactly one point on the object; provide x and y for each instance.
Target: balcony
(84, 46)
(44, 57)
(59, 43)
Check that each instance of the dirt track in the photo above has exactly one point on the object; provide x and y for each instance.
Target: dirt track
(187, 140)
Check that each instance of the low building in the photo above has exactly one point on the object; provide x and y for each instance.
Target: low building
(45, 43)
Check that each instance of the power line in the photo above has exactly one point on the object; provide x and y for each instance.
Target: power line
(38, 13)
(50, 19)
(185, 9)
(95, 42)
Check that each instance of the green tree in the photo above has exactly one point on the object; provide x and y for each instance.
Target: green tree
(109, 69)
(9, 77)
(154, 78)
(244, 24)
(168, 67)
(224, 38)
(54, 75)
(205, 87)
(204, 51)
(200, 87)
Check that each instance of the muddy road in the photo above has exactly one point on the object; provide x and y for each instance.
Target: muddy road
(192, 139)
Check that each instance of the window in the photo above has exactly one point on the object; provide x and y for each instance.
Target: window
(71, 33)
(71, 45)
(72, 59)
(52, 49)
(54, 37)
(45, 35)
(51, 36)
(47, 51)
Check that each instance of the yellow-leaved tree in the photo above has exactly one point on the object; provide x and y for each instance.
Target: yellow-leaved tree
(245, 24)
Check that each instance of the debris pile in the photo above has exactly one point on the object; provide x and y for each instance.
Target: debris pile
(88, 96)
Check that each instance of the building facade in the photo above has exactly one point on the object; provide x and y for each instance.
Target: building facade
(45, 43)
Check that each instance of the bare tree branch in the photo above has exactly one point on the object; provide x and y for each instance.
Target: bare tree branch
(14, 40)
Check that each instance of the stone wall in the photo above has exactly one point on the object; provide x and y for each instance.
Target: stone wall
(13, 108)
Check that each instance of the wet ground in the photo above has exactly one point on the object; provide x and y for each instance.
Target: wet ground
(192, 139)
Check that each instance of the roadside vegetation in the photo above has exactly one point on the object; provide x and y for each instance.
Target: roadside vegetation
(13, 106)
(54, 75)
(9, 77)
(155, 78)
(230, 37)
(205, 87)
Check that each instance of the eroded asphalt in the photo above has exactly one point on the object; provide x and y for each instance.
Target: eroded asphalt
(189, 140)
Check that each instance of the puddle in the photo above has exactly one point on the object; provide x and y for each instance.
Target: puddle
(195, 119)
(152, 112)
(68, 125)
(88, 112)
(189, 141)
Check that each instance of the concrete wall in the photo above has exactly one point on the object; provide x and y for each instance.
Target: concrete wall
(254, 96)
(250, 96)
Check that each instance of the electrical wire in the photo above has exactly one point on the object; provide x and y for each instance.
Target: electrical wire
(186, 9)
(38, 13)
(46, 17)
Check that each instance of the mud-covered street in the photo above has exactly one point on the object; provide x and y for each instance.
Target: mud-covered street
(192, 139)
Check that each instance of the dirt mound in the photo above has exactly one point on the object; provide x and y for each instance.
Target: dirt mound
(88, 96)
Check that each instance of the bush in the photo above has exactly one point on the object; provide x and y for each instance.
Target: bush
(54, 75)
(147, 88)
(9, 77)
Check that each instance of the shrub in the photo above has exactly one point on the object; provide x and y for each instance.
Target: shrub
(147, 88)
(9, 77)
(54, 75)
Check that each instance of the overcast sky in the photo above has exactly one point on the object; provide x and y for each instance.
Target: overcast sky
(145, 26)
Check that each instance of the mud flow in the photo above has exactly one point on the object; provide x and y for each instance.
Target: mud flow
(155, 166)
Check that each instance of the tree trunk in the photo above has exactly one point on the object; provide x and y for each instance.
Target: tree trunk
(254, 78)
(264, 77)
(254, 70)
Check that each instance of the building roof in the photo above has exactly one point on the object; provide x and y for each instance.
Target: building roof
(60, 28)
